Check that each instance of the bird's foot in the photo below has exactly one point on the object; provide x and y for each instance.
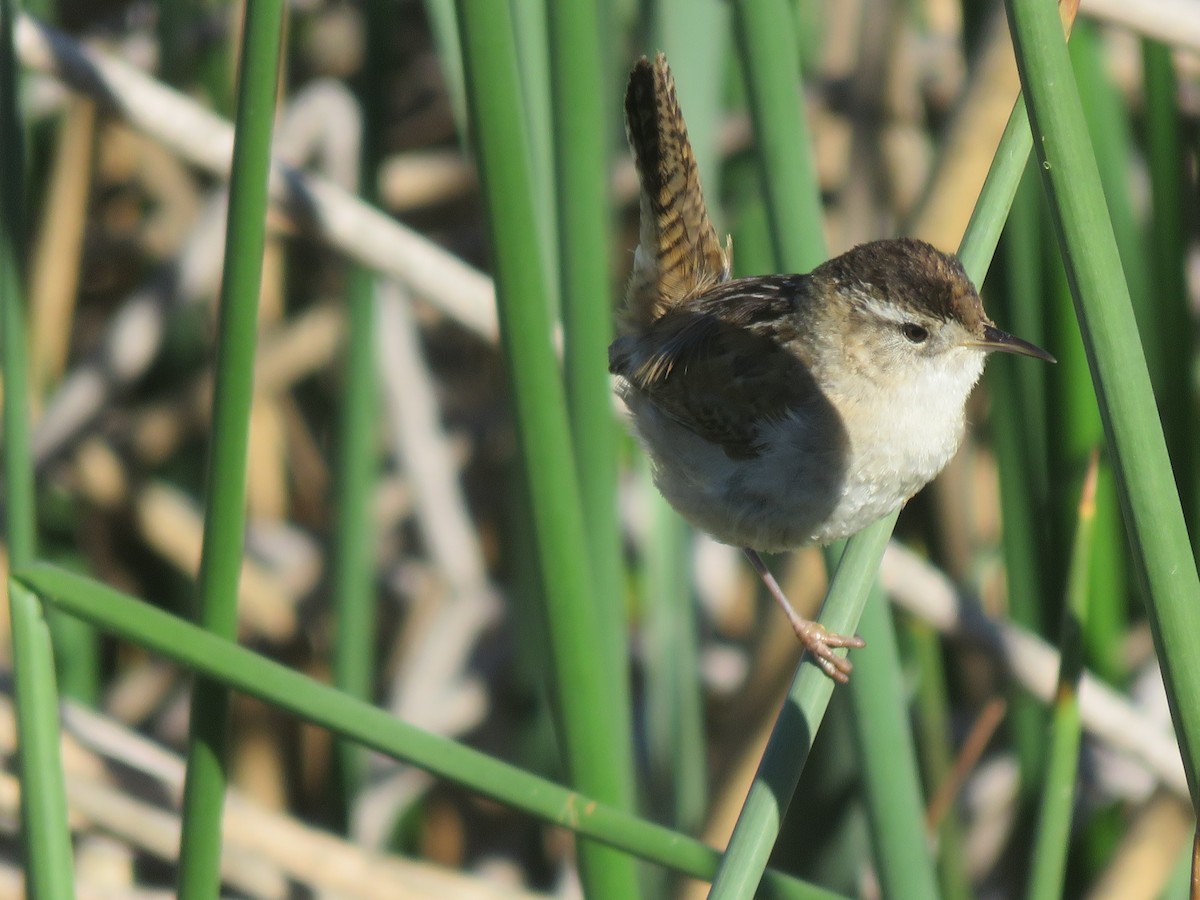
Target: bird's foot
(821, 644)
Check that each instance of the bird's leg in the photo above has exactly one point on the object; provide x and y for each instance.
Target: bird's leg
(819, 642)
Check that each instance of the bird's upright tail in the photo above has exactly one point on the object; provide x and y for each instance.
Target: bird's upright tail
(678, 253)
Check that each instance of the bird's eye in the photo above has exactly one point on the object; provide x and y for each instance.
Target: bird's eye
(914, 332)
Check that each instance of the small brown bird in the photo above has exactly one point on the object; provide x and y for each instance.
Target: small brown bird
(786, 410)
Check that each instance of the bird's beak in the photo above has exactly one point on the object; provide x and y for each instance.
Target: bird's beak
(1002, 341)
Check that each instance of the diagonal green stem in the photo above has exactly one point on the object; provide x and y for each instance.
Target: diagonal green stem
(1153, 514)
(243, 670)
(224, 522)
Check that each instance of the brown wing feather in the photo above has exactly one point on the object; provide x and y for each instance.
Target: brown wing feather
(678, 253)
(719, 365)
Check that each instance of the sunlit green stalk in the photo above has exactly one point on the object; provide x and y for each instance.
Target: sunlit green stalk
(895, 809)
(933, 726)
(224, 521)
(1019, 439)
(1154, 518)
(243, 670)
(1058, 795)
(1171, 191)
(597, 760)
(353, 662)
(581, 155)
(771, 64)
(45, 835)
(796, 728)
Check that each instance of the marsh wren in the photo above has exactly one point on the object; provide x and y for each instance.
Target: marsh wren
(786, 410)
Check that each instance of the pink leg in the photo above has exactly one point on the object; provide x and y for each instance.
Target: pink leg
(813, 635)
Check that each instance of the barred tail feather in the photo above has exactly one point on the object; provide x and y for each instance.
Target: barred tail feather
(678, 254)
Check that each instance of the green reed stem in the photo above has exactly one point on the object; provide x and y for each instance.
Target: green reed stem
(598, 761)
(243, 670)
(581, 170)
(1053, 837)
(353, 583)
(45, 834)
(770, 60)
(895, 808)
(224, 521)
(1154, 517)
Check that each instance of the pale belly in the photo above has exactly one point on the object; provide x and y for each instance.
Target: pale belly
(802, 489)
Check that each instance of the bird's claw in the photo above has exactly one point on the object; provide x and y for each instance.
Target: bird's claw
(821, 644)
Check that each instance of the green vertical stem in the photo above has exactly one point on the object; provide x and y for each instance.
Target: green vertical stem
(353, 585)
(1153, 515)
(893, 785)
(353, 662)
(596, 760)
(530, 21)
(45, 835)
(932, 722)
(674, 712)
(1019, 437)
(1112, 142)
(770, 61)
(792, 737)
(224, 521)
(584, 212)
(1170, 226)
(1079, 431)
(1052, 839)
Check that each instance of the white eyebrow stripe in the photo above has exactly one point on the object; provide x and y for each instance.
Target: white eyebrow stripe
(889, 312)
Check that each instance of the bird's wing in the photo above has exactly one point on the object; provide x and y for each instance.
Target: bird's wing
(678, 253)
(721, 366)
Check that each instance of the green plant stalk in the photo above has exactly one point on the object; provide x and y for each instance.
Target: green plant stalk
(596, 760)
(224, 521)
(45, 835)
(529, 22)
(934, 753)
(895, 809)
(770, 59)
(1074, 408)
(77, 659)
(1108, 124)
(353, 661)
(1052, 838)
(1154, 518)
(584, 211)
(674, 716)
(243, 670)
(791, 740)
(1109, 127)
(1169, 227)
(779, 771)
(444, 25)
(1018, 417)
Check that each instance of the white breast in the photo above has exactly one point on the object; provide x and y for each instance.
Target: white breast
(803, 489)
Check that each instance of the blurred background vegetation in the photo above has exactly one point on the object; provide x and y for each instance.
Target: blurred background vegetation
(391, 469)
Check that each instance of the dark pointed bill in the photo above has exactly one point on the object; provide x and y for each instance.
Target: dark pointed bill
(1002, 341)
